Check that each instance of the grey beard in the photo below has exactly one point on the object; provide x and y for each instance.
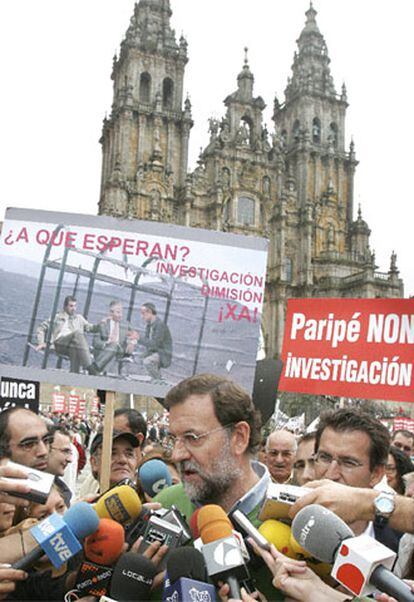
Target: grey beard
(214, 485)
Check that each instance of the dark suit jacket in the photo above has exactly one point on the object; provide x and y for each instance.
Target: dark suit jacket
(388, 537)
(157, 339)
(100, 339)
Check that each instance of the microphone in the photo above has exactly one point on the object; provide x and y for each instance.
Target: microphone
(358, 561)
(187, 577)
(193, 524)
(102, 549)
(221, 550)
(121, 504)
(154, 477)
(58, 536)
(106, 544)
(280, 535)
(132, 578)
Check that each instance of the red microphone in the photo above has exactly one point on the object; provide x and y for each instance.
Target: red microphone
(194, 525)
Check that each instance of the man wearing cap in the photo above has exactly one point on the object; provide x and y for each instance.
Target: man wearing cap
(156, 340)
(124, 461)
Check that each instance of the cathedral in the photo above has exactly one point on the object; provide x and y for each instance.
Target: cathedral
(292, 185)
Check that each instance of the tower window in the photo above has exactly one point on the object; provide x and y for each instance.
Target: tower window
(226, 211)
(288, 269)
(333, 135)
(316, 131)
(296, 131)
(167, 93)
(245, 211)
(145, 87)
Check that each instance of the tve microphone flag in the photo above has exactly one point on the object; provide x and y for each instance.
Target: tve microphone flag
(58, 537)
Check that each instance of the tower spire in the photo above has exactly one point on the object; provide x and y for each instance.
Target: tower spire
(150, 29)
(310, 69)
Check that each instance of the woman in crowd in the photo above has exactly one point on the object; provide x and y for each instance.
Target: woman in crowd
(397, 466)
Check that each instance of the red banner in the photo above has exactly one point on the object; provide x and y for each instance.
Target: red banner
(406, 424)
(82, 407)
(58, 402)
(73, 405)
(350, 347)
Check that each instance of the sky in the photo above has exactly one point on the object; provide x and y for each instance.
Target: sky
(56, 60)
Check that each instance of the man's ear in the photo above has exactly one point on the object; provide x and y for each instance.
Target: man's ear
(95, 465)
(240, 437)
(377, 474)
(140, 437)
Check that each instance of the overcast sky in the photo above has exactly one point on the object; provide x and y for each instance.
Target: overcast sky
(56, 59)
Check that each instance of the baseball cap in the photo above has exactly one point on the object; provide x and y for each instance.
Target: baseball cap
(97, 440)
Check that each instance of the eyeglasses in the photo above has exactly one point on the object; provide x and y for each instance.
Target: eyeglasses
(191, 440)
(32, 442)
(344, 463)
(66, 451)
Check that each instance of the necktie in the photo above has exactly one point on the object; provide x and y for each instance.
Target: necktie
(115, 332)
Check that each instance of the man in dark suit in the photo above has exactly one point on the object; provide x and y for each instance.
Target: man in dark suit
(156, 340)
(114, 338)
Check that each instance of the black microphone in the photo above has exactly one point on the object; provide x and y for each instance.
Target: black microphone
(132, 578)
(187, 577)
(358, 562)
(59, 536)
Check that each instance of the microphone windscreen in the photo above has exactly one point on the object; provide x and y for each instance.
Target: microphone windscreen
(213, 523)
(132, 577)
(121, 503)
(107, 543)
(154, 477)
(280, 535)
(320, 531)
(194, 524)
(186, 562)
(82, 519)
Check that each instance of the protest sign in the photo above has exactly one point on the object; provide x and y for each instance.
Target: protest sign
(73, 405)
(350, 347)
(15, 392)
(125, 305)
(403, 423)
(59, 403)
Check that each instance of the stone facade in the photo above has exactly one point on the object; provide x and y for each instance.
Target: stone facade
(293, 185)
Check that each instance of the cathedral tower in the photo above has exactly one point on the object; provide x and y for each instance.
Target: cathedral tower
(293, 185)
(145, 140)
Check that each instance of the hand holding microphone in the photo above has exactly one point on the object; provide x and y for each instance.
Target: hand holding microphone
(18, 485)
(8, 578)
(59, 536)
(361, 563)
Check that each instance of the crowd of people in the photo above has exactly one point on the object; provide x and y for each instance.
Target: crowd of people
(213, 451)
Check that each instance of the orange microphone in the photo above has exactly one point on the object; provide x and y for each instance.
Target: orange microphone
(102, 550)
(221, 550)
(107, 543)
(213, 523)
